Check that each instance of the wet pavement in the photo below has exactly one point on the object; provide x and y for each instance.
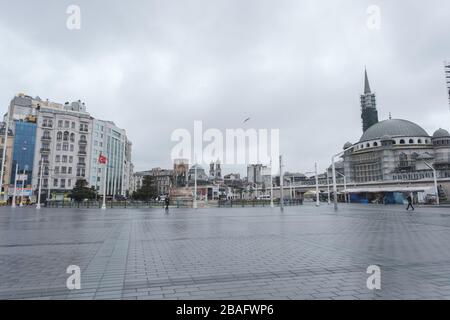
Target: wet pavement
(226, 253)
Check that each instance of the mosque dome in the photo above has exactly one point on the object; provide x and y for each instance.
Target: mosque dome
(441, 133)
(393, 128)
(348, 145)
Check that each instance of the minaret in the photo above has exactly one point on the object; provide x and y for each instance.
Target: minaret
(447, 78)
(212, 172)
(369, 113)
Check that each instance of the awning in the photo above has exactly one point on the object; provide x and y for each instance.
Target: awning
(390, 189)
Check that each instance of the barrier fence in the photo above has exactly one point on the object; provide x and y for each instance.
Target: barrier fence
(173, 204)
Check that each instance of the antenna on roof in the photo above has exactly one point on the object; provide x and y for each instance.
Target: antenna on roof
(390, 116)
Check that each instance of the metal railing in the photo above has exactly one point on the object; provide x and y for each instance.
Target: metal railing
(96, 204)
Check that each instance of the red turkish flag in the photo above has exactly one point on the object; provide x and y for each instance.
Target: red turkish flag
(101, 159)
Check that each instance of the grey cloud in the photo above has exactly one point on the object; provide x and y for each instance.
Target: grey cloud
(154, 66)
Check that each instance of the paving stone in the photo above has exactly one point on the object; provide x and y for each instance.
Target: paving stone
(226, 253)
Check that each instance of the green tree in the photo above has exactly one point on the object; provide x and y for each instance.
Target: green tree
(81, 191)
(148, 190)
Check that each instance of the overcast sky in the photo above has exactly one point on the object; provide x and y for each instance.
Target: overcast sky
(155, 66)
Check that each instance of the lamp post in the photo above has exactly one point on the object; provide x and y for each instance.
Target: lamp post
(271, 185)
(5, 145)
(13, 204)
(38, 205)
(435, 181)
(281, 184)
(195, 185)
(105, 175)
(328, 187)
(22, 193)
(290, 188)
(345, 185)
(317, 184)
(333, 168)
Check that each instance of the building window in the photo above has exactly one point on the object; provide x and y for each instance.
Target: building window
(69, 183)
(72, 137)
(60, 123)
(71, 147)
(402, 141)
(59, 136)
(64, 159)
(411, 141)
(58, 158)
(66, 136)
(65, 146)
(70, 159)
(63, 183)
(58, 147)
(63, 170)
(69, 170)
(66, 124)
(55, 182)
(419, 141)
(375, 144)
(73, 125)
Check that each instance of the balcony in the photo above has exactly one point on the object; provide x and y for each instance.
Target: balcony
(81, 152)
(47, 125)
(46, 138)
(81, 164)
(82, 142)
(45, 150)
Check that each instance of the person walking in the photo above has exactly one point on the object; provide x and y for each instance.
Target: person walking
(410, 203)
(167, 201)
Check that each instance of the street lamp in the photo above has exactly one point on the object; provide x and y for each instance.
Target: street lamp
(317, 184)
(13, 204)
(435, 181)
(345, 185)
(328, 187)
(38, 205)
(22, 194)
(195, 185)
(105, 175)
(281, 184)
(271, 185)
(333, 168)
(5, 145)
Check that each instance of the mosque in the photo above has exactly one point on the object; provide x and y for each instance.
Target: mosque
(396, 151)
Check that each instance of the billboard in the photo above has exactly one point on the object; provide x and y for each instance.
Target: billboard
(27, 192)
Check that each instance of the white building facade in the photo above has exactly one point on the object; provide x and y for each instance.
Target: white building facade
(110, 141)
(63, 137)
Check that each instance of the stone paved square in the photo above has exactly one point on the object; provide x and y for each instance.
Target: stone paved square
(226, 253)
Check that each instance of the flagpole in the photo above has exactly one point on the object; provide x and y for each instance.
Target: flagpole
(13, 204)
(22, 192)
(104, 186)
